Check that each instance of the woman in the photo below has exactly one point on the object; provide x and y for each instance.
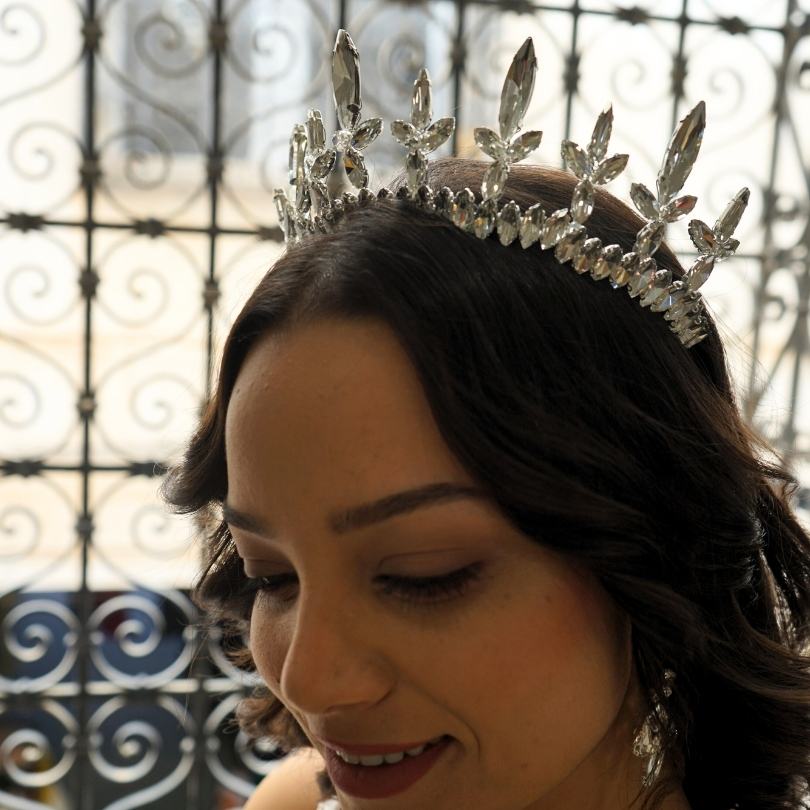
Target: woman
(469, 503)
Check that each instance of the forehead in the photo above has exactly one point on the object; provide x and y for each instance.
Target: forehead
(335, 409)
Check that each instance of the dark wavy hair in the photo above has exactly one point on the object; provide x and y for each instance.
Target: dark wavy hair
(598, 435)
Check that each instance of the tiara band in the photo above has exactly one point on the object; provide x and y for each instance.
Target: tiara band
(329, 180)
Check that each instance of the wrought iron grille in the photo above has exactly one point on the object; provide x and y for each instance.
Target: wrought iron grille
(141, 143)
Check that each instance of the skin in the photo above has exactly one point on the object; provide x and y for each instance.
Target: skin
(530, 671)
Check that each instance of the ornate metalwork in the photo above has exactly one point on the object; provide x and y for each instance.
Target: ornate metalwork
(141, 143)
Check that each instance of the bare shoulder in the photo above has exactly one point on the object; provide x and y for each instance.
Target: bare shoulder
(291, 785)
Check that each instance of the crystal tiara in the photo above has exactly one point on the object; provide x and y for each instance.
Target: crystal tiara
(330, 180)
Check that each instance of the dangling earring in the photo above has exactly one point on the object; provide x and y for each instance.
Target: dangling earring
(648, 741)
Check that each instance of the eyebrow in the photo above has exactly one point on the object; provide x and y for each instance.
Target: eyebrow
(367, 514)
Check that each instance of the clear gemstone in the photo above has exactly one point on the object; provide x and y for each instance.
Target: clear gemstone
(523, 145)
(659, 289)
(420, 101)
(416, 166)
(298, 147)
(730, 218)
(323, 164)
(531, 224)
(644, 200)
(597, 149)
(367, 132)
(490, 143)
(484, 221)
(681, 153)
(686, 304)
(494, 180)
(677, 209)
(405, 133)
(404, 193)
(517, 90)
(582, 202)
(463, 209)
(385, 194)
(575, 159)
(642, 279)
(553, 228)
(650, 237)
(570, 243)
(588, 255)
(675, 293)
(626, 269)
(346, 80)
(365, 196)
(702, 236)
(316, 134)
(699, 272)
(610, 169)
(695, 339)
(438, 133)
(607, 263)
(508, 222)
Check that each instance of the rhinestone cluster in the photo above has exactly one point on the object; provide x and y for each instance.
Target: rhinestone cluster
(330, 180)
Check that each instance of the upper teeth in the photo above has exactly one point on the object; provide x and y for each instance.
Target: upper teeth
(391, 759)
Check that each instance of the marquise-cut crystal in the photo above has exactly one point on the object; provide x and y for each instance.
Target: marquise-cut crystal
(582, 201)
(365, 196)
(609, 169)
(523, 145)
(681, 153)
(438, 132)
(367, 132)
(689, 304)
(484, 221)
(699, 272)
(575, 159)
(405, 133)
(679, 208)
(298, 148)
(463, 209)
(316, 134)
(420, 101)
(322, 164)
(585, 260)
(570, 243)
(494, 180)
(346, 80)
(554, 227)
(626, 269)
(644, 200)
(702, 236)
(490, 143)
(405, 192)
(694, 340)
(730, 218)
(517, 90)
(416, 168)
(677, 290)
(508, 221)
(597, 148)
(531, 224)
(607, 263)
(643, 277)
(650, 237)
(659, 289)
(385, 194)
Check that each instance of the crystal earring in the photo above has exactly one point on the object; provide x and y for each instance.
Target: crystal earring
(648, 741)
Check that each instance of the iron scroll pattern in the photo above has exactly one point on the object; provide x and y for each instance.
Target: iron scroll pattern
(125, 229)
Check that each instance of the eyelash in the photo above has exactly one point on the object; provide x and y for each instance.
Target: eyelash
(412, 590)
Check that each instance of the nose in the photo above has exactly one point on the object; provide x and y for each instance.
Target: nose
(332, 658)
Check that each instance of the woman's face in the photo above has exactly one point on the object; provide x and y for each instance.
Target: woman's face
(528, 668)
